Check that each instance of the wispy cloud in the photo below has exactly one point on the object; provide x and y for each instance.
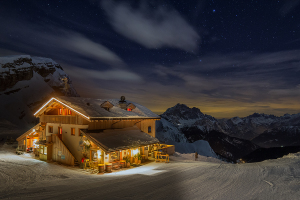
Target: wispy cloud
(55, 41)
(82, 45)
(93, 60)
(152, 28)
(256, 77)
(289, 6)
(112, 74)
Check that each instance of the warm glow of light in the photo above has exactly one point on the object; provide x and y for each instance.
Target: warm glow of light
(135, 151)
(128, 109)
(43, 106)
(62, 104)
(99, 154)
(33, 143)
(144, 170)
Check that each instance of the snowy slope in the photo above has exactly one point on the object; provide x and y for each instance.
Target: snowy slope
(23, 177)
(25, 83)
(200, 146)
(167, 131)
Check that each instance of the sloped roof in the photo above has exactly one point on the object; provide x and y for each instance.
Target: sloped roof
(92, 109)
(28, 132)
(119, 139)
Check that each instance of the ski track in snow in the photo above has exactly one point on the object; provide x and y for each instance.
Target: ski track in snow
(23, 177)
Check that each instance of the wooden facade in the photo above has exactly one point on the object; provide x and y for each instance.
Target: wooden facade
(60, 153)
(58, 132)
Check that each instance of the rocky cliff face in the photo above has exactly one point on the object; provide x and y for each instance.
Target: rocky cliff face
(21, 68)
(25, 83)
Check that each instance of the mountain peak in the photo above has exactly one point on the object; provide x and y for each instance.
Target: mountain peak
(183, 111)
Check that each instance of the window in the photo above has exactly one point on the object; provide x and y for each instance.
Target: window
(129, 109)
(50, 129)
(73, 131)
(45, 150)
(59, 130)
(69, 112)
(79, 133)
(149, 129)
(60, 111)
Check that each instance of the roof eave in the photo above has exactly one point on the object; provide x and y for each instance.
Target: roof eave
(123, 118)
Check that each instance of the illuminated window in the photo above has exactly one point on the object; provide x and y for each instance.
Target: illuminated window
(69, 112)
(60, 111)
(79, 133)
(149, 129)
(129, 109)
(45, 150)
(73, 131)
(50, 129)
(59, 130)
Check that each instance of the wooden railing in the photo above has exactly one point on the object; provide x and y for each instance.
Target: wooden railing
(63, 119)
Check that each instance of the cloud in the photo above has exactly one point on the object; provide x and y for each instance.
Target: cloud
(81, 45)
(288, 7)
(55, 41)
(112, 75)
(245, 77)
(152, 28)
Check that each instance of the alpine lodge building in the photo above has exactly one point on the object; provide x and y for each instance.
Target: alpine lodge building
(73, 129)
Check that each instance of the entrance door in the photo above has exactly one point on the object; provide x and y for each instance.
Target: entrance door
(60, 132)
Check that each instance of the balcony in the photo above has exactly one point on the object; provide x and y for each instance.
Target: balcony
(63, 119)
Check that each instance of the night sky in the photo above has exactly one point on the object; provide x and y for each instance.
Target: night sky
(228, 58)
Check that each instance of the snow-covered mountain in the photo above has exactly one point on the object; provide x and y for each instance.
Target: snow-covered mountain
(232, 137)
(25, 83)
(253, 125)
(182, 124)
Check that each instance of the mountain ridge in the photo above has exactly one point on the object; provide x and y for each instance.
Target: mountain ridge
(231, 138)
(26, 82)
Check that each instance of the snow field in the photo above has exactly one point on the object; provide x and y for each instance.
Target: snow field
(22, 177)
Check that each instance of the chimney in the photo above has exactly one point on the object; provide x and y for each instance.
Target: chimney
(122, 103)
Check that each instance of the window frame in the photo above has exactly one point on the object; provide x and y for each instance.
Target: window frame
(73, 133)
(50, 129)
(149, 129)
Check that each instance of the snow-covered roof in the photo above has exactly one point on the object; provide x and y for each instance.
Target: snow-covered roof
(119, 139)
(91, 108)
